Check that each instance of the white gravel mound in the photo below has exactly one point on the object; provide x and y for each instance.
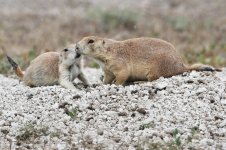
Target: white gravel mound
(182, 112)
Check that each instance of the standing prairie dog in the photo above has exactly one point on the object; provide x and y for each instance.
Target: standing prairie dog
(52, 68)
(138, 59)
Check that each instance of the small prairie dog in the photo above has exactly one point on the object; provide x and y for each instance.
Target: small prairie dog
(52, 68)
(138, 59)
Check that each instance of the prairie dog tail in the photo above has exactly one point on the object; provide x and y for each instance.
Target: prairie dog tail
(15, 66)
(202, 67)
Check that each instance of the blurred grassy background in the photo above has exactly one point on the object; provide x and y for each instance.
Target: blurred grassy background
(197, 28)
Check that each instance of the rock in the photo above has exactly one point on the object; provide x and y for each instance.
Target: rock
(190, 81)
(29, 96)
(116, 139)
(110, 113)
(113, 96)
(223, 102)
(61, 146)
(202, 127)
(55, 106)
(89, 118)
(100, 131)
(161, 85)
(76, 96)
(122, 114)
(126, 129)
(218, 118)
(206, 141)
(133, 106)
(63, 104)
(194, 74)
(223, 123)
(142, 111)
(201, 90)
(5, 130)
(133, 114)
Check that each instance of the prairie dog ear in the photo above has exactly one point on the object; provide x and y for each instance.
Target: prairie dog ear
(103, 42)
(90, 41)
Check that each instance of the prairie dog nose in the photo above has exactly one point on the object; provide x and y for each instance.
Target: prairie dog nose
(76, 47)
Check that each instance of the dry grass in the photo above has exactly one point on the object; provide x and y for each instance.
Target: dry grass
(197, 29)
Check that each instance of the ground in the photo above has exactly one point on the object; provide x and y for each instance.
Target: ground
(187, 111)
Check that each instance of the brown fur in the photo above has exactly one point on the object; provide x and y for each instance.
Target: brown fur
(37, 75)
(135, 59)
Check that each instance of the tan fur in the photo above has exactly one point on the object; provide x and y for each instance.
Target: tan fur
(52, 68)
(43, 70)
(135, 59)
(19, 72)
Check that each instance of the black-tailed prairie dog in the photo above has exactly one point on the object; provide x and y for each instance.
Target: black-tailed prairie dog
(138, 59)
(52, 68)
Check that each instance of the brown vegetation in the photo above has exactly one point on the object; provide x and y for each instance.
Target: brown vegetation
(196, 28)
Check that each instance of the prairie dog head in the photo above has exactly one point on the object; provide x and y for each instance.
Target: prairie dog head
(69, 55)
(93, 46)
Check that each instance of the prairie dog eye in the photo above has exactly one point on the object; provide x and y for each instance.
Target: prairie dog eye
(65, 50)
(90, 41)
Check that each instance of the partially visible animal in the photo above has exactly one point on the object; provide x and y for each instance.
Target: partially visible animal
(52, 68)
